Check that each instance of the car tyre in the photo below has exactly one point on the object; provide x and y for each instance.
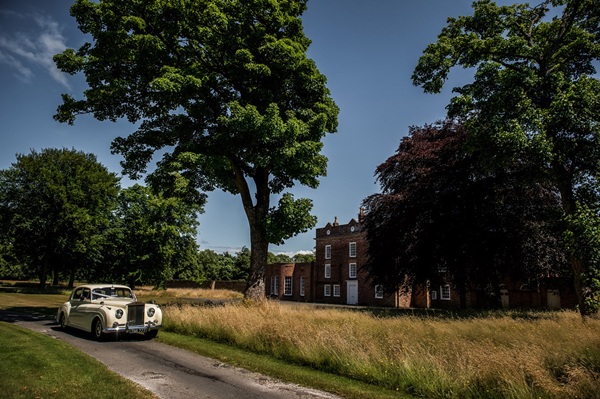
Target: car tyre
(97, 330)
(151, 334)
(62, 321)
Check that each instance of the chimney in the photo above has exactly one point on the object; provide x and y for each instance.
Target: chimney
(335, 222)
(361, 216)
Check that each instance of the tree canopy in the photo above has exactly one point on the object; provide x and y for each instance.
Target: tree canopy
(54, 206)
(224, 88)
(151, 238)
(535, 94)
(441, 209)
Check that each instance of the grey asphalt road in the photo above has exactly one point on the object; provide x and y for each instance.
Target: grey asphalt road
(169, 372)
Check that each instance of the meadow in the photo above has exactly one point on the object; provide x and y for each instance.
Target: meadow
(492, 355)
(499, 354)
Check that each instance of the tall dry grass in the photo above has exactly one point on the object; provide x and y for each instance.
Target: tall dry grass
(543, 355)
(177, 293)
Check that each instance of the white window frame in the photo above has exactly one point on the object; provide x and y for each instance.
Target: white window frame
(287, 285)
(327, 251)
(352, 270)
(327, 290)
(274, 285)
(301, 285)
(379, 291)
(336, 290)
(327, 270)
(352, 250)
(445, 292)
(433, 295)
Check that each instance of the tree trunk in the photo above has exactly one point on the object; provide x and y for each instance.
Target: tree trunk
(43, 273)
(578, 263)
(71, 279)
(255, 288)
(257, 220)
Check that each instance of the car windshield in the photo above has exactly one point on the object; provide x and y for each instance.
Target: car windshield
(112, 293)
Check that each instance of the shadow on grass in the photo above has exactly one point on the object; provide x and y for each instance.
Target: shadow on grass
(27, 313)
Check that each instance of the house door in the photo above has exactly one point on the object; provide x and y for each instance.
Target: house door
(504, 299)
(553, 299)
(352, 292)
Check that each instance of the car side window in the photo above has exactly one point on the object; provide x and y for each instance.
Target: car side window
(86, 294)
(77, 294)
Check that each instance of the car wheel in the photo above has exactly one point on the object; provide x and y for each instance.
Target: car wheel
(62, 321)
(97, 330)
(151, 334)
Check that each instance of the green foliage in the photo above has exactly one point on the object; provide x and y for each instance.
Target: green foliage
(304, 257)
(583, 237)
(535, 92)
(224, 86)
(152, 238)
(54, 206)
(289, 216)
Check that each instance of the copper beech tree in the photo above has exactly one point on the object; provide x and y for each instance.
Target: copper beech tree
(222, 88)
(535, 94)
(442, 209)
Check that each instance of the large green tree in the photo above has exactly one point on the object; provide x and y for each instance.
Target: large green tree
(224, 88)
(54, 206)
(151, 238)
(534, 94)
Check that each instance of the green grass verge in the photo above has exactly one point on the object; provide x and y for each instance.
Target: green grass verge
(37, 366)
(305, 376)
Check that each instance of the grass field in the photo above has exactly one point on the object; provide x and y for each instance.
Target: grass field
(497, 355)
(37, 366)
(500, 355)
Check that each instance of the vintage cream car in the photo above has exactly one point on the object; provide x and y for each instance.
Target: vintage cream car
(109, 309)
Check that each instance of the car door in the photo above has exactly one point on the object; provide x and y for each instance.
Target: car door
(86, 309)
(74, 313)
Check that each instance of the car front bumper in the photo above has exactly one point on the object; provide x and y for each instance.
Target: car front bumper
(131, 329)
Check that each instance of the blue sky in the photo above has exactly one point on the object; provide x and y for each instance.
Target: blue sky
(367, 50)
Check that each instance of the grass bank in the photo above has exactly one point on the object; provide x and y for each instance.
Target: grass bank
(502, 355)
(37, 366)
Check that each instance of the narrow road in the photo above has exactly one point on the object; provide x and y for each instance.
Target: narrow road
(169, 372)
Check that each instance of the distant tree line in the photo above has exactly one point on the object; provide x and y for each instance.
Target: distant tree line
(65, 218)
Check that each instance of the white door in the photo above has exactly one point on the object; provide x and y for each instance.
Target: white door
(352, 292)
(553, 299)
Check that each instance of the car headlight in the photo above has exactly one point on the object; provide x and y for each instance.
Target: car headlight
(151, 312)
(119, 313)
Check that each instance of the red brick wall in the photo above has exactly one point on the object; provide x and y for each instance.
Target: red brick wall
(296, 272)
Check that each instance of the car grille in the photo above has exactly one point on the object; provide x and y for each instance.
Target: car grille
(135, 314)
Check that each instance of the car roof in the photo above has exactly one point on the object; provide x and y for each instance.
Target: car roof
(92, 286)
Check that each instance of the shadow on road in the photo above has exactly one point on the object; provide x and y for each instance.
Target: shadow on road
(40, 314)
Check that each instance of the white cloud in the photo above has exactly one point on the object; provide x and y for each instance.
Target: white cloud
(24, 51)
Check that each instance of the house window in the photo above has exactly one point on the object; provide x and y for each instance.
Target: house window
(327, 251)
(274, 285)
(433, 295)
(352, 270)
(287, 286)
(336, 290)
(327, 270)
(352, 250)
(301, 285)
(445, 292)
(379, 291)
(327, 291)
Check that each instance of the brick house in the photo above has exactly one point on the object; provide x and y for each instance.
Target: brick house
(337, 277)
